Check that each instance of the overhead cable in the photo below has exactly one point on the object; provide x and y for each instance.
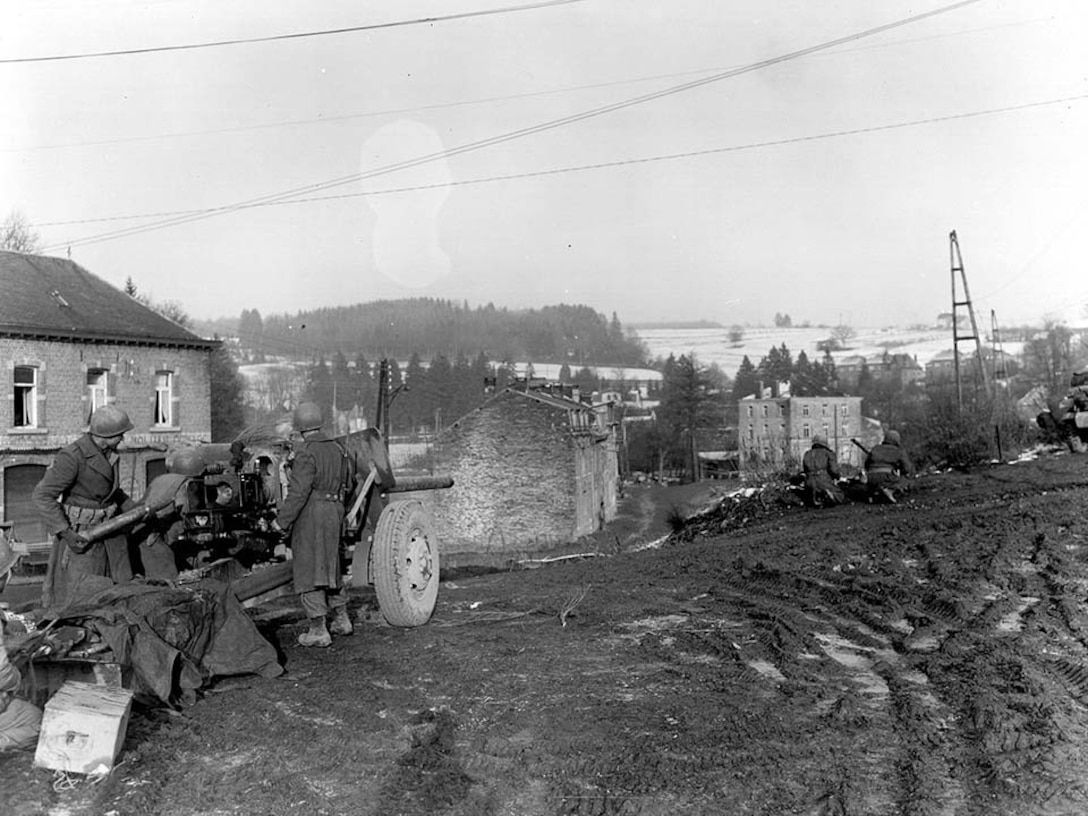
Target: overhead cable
(324, 120)
(516, 134)
(598, 165)
(295, 36)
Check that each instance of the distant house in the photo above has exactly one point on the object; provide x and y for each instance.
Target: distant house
(69, 343)
(901, 369)
(942, 366)
(531, 471)
(777, 431)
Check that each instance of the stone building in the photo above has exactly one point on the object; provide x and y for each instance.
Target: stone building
(70, 342)
(531, 471)
(777, 431)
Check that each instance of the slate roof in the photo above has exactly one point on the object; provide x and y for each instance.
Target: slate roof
(55, 298)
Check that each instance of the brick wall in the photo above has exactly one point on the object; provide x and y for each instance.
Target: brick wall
(63, 403)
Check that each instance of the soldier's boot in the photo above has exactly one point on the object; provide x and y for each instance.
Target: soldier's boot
(341, 623)
(317, 635)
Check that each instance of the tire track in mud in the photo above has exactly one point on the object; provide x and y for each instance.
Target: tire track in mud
(1011, 740)
(983, 720)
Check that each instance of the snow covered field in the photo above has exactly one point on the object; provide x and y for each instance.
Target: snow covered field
(713, 345)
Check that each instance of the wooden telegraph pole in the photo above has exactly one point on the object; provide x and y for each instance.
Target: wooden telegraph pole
(957, 338)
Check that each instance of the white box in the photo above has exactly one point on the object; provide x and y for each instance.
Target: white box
(83, 728)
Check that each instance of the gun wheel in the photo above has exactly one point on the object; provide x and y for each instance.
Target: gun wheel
(405, 560)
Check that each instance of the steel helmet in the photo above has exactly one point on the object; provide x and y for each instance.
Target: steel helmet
(891, 438)
(186, 462)
(109, 420)
(819, 439)
(307, 417)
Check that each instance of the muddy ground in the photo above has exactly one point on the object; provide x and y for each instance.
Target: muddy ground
(929, 657)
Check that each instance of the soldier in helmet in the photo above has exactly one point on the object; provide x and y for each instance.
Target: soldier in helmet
(884, 466)
(80, 490)
(166, 493)
(821, 470)
(318, 487)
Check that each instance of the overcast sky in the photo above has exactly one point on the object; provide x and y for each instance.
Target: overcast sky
(755, 171)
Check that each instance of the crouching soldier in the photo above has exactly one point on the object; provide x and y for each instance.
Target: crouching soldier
(821, 471)
(165, 498)
(884, 466)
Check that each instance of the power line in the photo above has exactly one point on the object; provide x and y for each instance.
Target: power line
(294, 36)
(601, 165)
(516, 134)
(469, 102)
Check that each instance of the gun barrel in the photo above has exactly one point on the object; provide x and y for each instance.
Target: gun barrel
(117, 523)
(864, 449)
(126, 519)
(407, 484)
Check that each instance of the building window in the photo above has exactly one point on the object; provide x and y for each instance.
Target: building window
(827, 433)
(804, 410)
(749, 410)
(845, 410)
(806, 432)
(764, 409)
(26, 397)
(781, 409)
(164, 397)
(823, 409)
(96, 390)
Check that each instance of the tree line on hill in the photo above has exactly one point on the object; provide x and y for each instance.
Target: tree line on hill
(396, 329)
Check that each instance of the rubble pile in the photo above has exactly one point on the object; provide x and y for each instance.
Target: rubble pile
(738, 511)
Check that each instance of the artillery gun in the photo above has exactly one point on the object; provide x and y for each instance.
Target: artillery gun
(225, 511)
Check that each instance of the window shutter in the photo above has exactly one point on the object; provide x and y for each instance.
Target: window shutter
(41, 397)
(175, 399)
(111, 382)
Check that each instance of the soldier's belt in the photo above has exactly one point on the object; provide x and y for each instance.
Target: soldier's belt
(330, 497)
(81, 517)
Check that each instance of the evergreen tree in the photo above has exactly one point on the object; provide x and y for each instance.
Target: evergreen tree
(829, 374)
(227, 396)
(804, 381)
(341, 398)
(690, 410)
(364, 389)
(586, 381)
(410, 408)
(437, 405)
(746, 383)
(319, 386)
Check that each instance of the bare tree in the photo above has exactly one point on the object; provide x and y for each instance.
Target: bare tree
(843, 334)
(17, 236)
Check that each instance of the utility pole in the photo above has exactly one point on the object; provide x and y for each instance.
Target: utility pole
(1000, 367)
(381, 421)
(957, 266)
(1001, 382)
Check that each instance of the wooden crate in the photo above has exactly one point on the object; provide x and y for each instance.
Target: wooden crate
(42, 678)
(83, 728)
